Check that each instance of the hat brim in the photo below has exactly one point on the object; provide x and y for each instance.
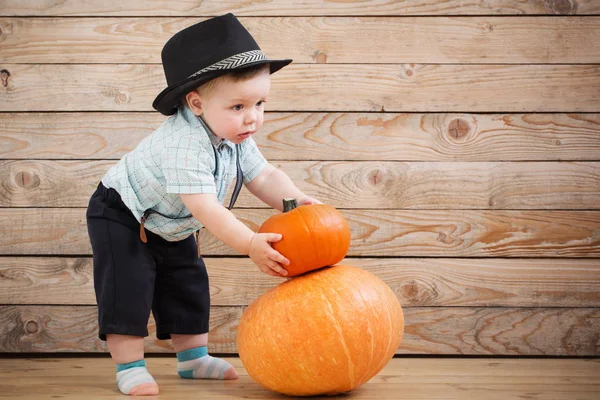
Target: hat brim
(169, 99)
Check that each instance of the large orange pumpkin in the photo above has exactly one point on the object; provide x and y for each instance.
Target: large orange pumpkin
(314, 236)
(324, 332)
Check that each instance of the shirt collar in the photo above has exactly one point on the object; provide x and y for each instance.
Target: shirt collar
(197, 122)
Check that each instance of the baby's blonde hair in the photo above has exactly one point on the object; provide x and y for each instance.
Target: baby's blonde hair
(235, 75)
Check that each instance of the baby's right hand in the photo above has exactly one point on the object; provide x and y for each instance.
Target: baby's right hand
(268, 260)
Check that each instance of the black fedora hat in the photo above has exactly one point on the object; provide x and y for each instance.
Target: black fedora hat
(205, 51)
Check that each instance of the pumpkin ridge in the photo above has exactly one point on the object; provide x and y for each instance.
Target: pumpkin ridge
(338, 328)
(312, 239)
(371, 334)
(370, 330)
(324, 215)
(391, 326)
(293, 249)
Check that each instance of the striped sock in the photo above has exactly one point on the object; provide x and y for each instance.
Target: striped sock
(133, 379)
(196, 363)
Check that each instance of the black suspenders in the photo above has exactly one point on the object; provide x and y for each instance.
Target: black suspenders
(239, 178)
(236, 191)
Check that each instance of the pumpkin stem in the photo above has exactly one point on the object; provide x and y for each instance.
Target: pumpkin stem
(289, 204)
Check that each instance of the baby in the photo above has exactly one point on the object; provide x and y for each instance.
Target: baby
(143, 214)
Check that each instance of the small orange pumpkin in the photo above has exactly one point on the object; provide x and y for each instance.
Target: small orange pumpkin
(314, 236)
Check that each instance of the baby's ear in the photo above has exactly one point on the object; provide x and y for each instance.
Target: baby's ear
(194, 102)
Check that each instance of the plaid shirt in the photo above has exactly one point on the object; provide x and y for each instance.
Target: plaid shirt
(179, 157)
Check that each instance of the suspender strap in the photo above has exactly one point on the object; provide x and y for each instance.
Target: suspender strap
(236, 191)
(239, 178)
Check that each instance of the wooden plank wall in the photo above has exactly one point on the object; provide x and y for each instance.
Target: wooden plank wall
(461, 139)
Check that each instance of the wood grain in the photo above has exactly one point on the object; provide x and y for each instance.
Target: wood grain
(431, 282)
(533, 331)
(400, 369)
(75, 329)
(426, 40)
(353, 184)
(321, 87)
(427, 378)
(428, 330)
(324, 136)
(286, 7)
(388, 233)
(74, 135)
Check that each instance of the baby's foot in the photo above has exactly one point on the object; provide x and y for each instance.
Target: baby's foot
(135, 380)
(196, 363)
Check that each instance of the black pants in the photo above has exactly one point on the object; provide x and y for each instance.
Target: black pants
(131, 277)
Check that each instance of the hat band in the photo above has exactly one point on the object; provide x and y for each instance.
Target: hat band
(235, 61)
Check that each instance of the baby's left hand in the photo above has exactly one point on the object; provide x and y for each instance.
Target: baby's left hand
(310, 200)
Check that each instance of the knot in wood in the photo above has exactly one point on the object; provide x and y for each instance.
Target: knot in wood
(4, 75)
(31, 327)
(458, 129)
(417, 293)
(320, 57)
(6, 29)
(376, 177)
(410, 290)
(79, 266)
(27, 180)
(122, 97)
(407, 71)
(444, 238)
(560, 6)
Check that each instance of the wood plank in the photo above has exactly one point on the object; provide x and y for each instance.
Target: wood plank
(433, 40)
(533, 331)
(324, 136)
(321, 87)
(74, 135)
(75, 329)
(428, 330)
(291, 8)
(388, 233)
(431, 282)
(400, 368)
(431, 378)
(349, 184)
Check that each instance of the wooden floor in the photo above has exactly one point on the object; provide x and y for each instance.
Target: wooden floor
(403, 378)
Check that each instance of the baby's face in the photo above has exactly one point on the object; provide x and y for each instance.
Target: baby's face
(235, 110)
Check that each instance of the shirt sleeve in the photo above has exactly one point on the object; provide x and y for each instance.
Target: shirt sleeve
(188, 166)
(251, 160)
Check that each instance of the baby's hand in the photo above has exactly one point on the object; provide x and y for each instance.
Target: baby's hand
(268, 260)
(310, 200)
